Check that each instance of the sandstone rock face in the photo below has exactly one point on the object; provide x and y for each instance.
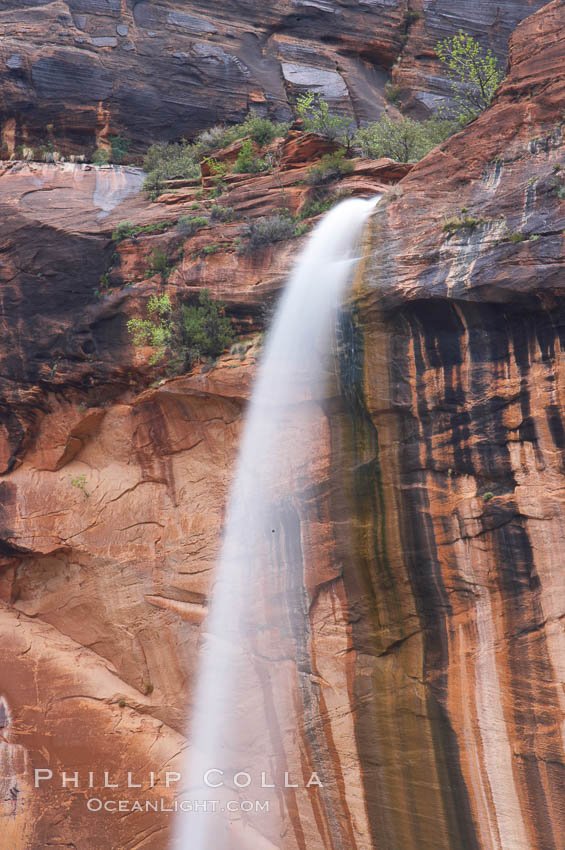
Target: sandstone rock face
(430, 682)
(459, 335)
(76, 71)
(113, 497)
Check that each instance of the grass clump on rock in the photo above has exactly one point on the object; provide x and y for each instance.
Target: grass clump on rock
(126, 230)
(463, 222)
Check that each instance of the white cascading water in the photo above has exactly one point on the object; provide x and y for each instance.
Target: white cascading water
(245, 708)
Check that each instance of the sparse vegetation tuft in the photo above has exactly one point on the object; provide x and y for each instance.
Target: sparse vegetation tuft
(404, 140)
(79, 481)
(158, 264)
(126, 230)
(189, 225)
(463, 222)
(317, 118)
(248, 162)
(329, 168)
(193, 331)
(220, 213)
(266, 230)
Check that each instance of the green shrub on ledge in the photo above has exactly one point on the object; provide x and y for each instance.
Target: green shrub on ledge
(266, 230)
(403, 140)
(317, 118)
(220, 213)
(331, 167)
(158, 264)
(189, 225)
(168, 160)
(248, 162)
(185, 335)
(462, 222)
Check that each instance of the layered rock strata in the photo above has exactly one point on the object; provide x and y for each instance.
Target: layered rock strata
(74, 72)
(458, 329)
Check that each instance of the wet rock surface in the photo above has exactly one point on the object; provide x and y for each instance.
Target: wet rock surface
(459, 333)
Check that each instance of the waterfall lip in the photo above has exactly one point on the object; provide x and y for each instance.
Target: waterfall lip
(256, 623)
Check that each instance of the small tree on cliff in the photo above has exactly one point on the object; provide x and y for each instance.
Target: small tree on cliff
(473, 72)
(317, 118)
(186, 334)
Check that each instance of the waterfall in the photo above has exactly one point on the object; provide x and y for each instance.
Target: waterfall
(244, 731)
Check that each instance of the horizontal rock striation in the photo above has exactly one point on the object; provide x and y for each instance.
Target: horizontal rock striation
(73, 72)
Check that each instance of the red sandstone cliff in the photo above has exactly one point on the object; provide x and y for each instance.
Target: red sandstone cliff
(435, 651)
(73, 71)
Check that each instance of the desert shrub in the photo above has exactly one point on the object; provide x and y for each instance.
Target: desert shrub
(120, 147)
(165, 161)
(317, 118)
(208, 250)
(126, 229)
(213, 138)
(218, 171)
(122, 231)
(189, 225)
(404, 140)
(203, 330)
(148, 229)
(221, 213)
(153, 186)
(474, 74)
(103, 286)
(177, 159)
(193, 331)
(158, 264)
(392, 93)
(156, 328)
(262, 130)
(318, 206)
(330, 167)
(463, 222)
(265, 230)
(101, 157)
(247, 161)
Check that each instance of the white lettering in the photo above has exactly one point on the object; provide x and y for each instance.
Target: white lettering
(207, 774)
(41, 774)
(246, 780)
(171, 776)
(73, 778)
